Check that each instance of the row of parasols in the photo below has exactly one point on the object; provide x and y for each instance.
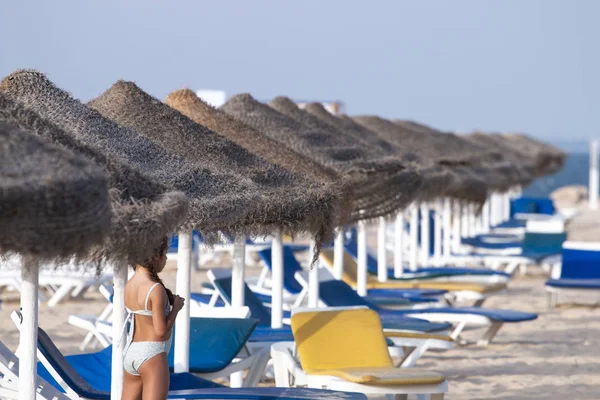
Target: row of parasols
(103, 182)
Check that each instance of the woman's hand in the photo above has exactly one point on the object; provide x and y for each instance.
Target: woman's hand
(178, 302)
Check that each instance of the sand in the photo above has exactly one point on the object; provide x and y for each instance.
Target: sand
(556, 356)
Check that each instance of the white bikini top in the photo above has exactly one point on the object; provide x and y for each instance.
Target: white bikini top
(145, 311)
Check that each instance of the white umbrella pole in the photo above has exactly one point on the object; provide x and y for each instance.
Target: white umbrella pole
(382, 272)
(361, 276)
(456, 228)
(181, 355)
(506, 206)
(593, 185)
(313, 280)
(414, 237)
(425, 227)
(485, 217)
(29, 329)
(472, 218)
(237, 290)
(338, 254)
(464, 223)
(437, 234)
(447, 230)
(398, 245)
(120, 272)
(277, 282)
(237, 273)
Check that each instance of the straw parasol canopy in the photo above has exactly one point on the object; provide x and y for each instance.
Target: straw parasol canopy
(438, 181)
(550, 159)
(53, 204)
(361, 175)
(512, 153)
(288, 202)
(218, 201)
(189, 104)
(143, 210)
(450, 150)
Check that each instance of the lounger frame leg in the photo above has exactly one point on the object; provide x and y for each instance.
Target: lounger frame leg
(490, 334)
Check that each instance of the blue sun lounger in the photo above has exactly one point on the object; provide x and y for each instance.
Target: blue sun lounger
(579, 272)
(291, 266)
(89, 376)
(336, 293)
(222, 283)
(351, 246)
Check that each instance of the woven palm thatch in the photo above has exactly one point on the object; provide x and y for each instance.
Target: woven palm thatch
(513, 154)
(438, 181)
(350, 162)
(549, 158)
(218, 201)
(189, 104)
(53, 203)
(288, 202)
(448, 149)
(143, 210)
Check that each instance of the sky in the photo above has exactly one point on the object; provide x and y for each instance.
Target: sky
(494, 65)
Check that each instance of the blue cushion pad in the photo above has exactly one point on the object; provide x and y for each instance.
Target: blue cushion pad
(574, 283)
(493, 314)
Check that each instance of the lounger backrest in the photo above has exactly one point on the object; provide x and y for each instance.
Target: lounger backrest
(333, 340)
(9, 376)
(257, 308)
(215, 342)
(531, 205)
(290, 267)
(338, 294)
(580, 263)
(534, 242)
(62, 367)
(349, 275)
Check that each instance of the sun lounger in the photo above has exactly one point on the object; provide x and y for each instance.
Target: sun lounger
(458, 291)
(292, 266)
(222, 281)
(347, 349)
(334, 293)
(87, 376)
(460, 274)
(579, 271)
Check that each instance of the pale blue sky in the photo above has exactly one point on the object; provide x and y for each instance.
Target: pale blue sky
(510, 65)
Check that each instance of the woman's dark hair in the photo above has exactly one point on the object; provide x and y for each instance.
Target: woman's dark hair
(150, 265)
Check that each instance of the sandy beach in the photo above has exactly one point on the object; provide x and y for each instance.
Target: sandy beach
(554, 357)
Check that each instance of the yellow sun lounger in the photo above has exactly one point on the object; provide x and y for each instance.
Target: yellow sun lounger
(347, 349)
(350, 273)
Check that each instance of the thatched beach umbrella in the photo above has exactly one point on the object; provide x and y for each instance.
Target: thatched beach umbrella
(438, 180)
(448, 149)
(378, 185)
(369, 198)
(512, 153)
(189, 104)
(53, 204)
(143, 210)
(218, 201)
(290, 203)
(549, 158)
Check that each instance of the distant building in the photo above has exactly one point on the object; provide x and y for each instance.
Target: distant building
(215, 98)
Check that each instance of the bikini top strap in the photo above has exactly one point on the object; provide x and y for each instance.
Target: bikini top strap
(148, 296)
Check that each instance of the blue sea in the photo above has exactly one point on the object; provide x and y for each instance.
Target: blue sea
(575, 172)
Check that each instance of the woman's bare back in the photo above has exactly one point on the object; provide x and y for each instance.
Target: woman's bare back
(136, 290)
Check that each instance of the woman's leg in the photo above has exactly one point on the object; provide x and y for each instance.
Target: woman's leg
(155, 378)
(132, 387)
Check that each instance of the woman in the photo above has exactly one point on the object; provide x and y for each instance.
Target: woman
(151, 311)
